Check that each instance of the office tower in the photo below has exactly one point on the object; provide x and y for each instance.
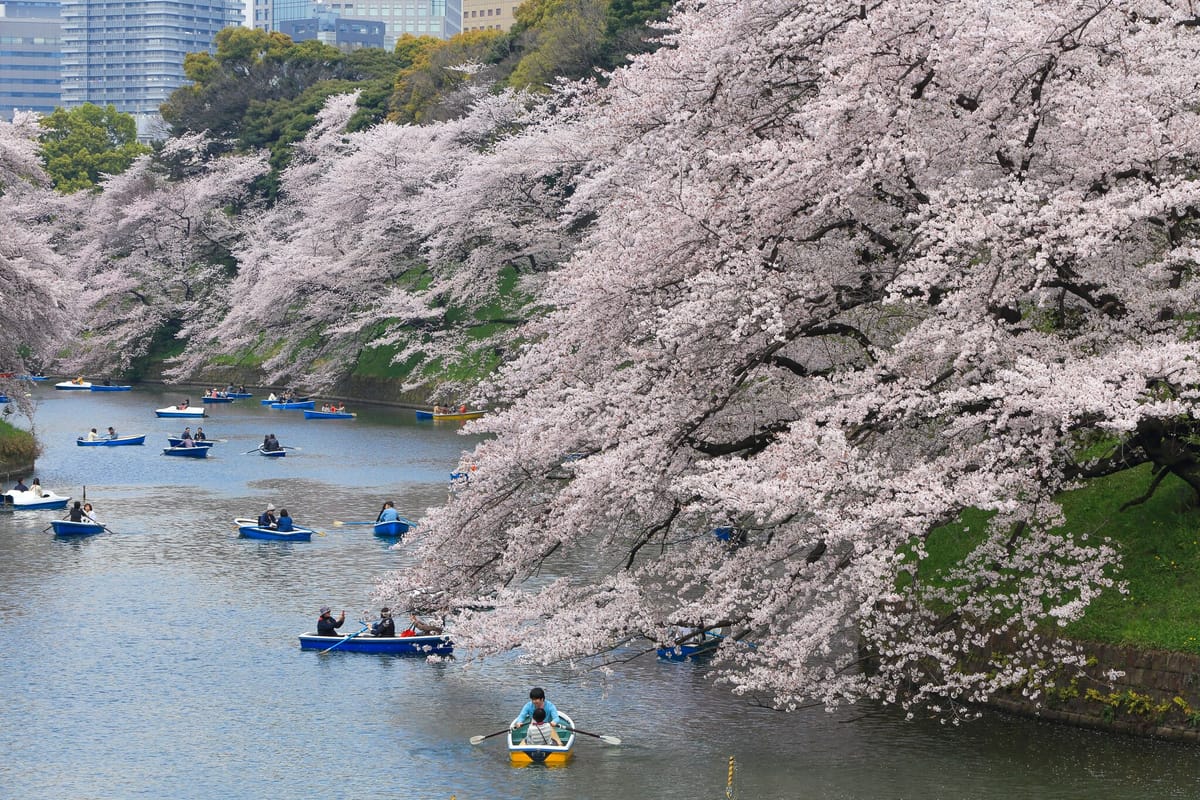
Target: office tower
(439, 18)
(489, 15)
(130, 53)
(30, 75)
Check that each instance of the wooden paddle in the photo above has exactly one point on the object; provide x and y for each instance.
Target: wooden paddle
(343, 641)
(602, 737)
(478, 739)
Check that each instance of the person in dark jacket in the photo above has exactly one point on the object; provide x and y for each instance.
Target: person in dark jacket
(386, 625)
(75, 514)
(326, 624)
(20, 487)
(267, 518)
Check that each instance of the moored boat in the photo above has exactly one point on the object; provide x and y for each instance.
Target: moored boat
(186, 452)
(176, 411)
(117, 442)
(33, 500)
(64, 527)
(391, 645)
(296, 534)
(395, 527)
(175, 441)
(95, 387)
(294, 404)
(73, 385)
(311, 414)
(521, 754)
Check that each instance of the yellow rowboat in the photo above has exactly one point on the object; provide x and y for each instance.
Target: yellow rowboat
(523, 755)
(457, 415)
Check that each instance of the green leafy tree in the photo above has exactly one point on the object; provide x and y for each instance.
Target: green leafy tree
(425, 90)
(80, 145)
(562, 38)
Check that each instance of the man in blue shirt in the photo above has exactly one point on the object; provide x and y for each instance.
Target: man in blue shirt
(537, 699)
(388, 514)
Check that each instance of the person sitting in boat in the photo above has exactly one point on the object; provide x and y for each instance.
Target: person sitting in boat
(386, 625)
(89, 513)
(271, 444)
(75, 513)
(272, 397)
(78, 381)
(93, 436)
(199, 437)
(284, 523)
(20, 487)
(388, 513)
(184, 403)
(185, 439)
(326, 625)
(112, 432)
(437, 409)
(462, 409)
(36, 488)
(418, 628)
(541, 732)
(537, 699)
(267, 518)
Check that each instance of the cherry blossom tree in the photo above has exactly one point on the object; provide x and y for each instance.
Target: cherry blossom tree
(844, 271)
(33, 290)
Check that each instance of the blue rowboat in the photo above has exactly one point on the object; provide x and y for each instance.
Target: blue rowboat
(73, 386)
(221, 398)
(424, 415)
(390, 645)
(692, 649)
(239, 395)
(64, 527)
(395, 527)
(98, 388)
(175, 441)
(176, 411)
(31, 377)
(32, 501)
(117, 442)
(295, 404)
(521, 754)
(3, 398)
(308, 414)
(186, 452)
(271, 453)
(296, 534)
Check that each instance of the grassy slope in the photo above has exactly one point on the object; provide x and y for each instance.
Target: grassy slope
(1159, 543)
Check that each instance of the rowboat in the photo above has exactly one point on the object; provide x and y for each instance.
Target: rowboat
(439, 645)
(175, 441)
(424, 414)
(692, 649)
(239, 395)
(105, 388)
(32, 501)
(3, 398)
(395, 527)
(64, 527)
(296, 534)
(31, 377)
(117, 442)
(294, 404)
(186, 452)
(458, 415)
(73, 386)
(309, 414)
(271, 453)
(220, 398)
(176, 411)
(523, 755)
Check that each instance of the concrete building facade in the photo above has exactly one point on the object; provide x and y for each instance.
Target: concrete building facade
(438, 18)
(489, 15)
(30, 56)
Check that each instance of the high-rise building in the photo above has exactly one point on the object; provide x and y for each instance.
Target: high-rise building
(30, 75)
(489, 15)
(328, 28)
(439, 18)
(130, 52)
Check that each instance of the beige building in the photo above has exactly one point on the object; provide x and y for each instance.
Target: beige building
(489, 15)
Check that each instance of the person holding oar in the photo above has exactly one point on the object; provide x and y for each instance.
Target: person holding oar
(537, 699)
(326, 624)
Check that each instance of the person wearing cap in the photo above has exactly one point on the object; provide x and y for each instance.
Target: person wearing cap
(386, 625)
(267, 518)
(537, 699)
(326, 625)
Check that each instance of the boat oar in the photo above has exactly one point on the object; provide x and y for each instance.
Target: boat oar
(343, 641)
(602, 737)
(478, 739)
(337, 523)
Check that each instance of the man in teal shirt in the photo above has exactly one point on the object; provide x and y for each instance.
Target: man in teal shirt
(537, 699)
